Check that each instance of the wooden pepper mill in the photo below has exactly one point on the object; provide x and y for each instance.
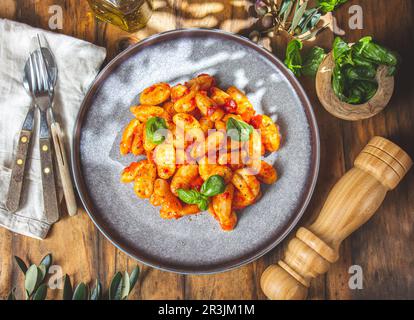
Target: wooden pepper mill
(353, 200)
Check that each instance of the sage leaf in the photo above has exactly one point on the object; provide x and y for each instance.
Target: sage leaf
(21, 264)
(287, 12)
(96, 293)
(67, 288)
(314, 33)
(27, 294)
(125, 286)
(42, 273)
(47, 262)
(31, 279)
(214, 185)
(299, 12)
(116, 280)
(284, 7)
(12, 296)
(133, 279)
(238, 130)
(309, 20)
(81, 292)
(41, 292)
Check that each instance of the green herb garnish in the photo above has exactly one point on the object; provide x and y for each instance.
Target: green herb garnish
(213, 186)
(155, 130)
(238, 130)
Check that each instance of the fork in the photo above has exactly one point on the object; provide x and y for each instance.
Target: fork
(42, 101)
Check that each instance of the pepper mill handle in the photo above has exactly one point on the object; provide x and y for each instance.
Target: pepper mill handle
(353, 200)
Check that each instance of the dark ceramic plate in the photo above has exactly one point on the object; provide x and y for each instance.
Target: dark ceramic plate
(193, 244)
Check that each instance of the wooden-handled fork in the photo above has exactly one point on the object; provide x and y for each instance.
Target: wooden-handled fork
(353, 200)
(56, 131)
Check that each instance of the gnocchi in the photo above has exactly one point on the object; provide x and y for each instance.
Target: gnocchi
(197, 164)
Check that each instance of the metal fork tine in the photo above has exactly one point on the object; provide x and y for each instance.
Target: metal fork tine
(32, 82)
(41, 67)
(38, 80)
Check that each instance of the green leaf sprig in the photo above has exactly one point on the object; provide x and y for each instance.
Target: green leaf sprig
(213, 186)
(238, 130)
(353, 79)
(312, 61)
(34, 277)
(298, 18)
(121, 286)
(353, 76)
(154, 128)
(329, 5)
(293, 58)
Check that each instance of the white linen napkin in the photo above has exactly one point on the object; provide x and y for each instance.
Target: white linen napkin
(78, 64)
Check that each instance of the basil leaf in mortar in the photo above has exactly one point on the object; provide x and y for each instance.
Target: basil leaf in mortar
(214, 185)
(154, 129)
(376, 53)
(238, 130)
(342, 53)
(338, 83)
(360, 73)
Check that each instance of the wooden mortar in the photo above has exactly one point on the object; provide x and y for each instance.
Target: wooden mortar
(345, 110)
(353, 200)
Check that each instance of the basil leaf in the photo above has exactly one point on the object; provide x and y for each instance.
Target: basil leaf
(214, 185)
(338, 83)
(238, 130)
(189, 196)
(342, 53)
(155, 129)
(293, 60)
(360, 73)
(375, 53)
(360, 61)
(355, 96)
(364, 90)
(193, 197)
(203, 204)
(329, 5)
(313, 61)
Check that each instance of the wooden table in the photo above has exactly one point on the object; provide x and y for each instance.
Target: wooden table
(384, 247)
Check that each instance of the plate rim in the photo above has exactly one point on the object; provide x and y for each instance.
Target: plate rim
(314, 165)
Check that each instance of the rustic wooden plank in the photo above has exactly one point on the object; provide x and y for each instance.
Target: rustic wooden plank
(382, 247)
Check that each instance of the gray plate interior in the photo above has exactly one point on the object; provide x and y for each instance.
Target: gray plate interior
(193, 244)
